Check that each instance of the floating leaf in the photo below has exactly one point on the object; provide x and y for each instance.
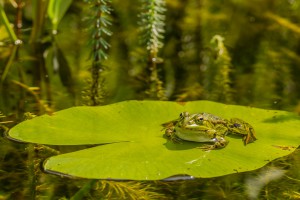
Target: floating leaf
(133, 147)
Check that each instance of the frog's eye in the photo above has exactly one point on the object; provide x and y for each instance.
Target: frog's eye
(199, 119)
(236, 125)
(183, 114)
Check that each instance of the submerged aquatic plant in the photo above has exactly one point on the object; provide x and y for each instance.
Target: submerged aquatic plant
(128, 190)
(277, 89)
(217, 83)
(152, 23)
(99, 27)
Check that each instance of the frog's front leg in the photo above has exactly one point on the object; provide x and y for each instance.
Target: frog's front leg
(219, 142)
(170, 135)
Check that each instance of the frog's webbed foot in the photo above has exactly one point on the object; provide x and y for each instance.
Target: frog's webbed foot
(170, 135)
(250, 137)
(218, 144)
(240, 127)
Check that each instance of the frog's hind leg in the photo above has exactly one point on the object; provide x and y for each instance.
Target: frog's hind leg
(250, 137)
(219, 142)
(240, 127)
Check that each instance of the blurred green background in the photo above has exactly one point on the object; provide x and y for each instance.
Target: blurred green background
(259, 65)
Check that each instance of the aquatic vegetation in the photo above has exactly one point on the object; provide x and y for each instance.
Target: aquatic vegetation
(59, 54)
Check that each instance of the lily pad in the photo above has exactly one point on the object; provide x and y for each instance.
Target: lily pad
(132, 146)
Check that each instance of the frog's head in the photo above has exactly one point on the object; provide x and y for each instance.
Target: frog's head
(184, 117)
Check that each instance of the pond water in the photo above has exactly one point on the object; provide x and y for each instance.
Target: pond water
(56, 55)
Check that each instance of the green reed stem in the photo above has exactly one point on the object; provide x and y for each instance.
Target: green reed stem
(6, 23)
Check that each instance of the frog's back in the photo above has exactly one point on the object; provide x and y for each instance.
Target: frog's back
(208, 116)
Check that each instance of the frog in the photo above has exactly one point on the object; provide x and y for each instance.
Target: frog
(234, 125)
(209, 128)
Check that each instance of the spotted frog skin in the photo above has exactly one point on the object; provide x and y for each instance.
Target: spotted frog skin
(205, 127)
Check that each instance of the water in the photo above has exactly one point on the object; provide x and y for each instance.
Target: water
(46, 67)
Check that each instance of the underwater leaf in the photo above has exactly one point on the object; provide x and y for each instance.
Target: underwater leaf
(133, 147)
(58, 65)
(56, 10)
(64, 69)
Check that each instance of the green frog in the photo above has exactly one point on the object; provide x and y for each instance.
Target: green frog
(206, 127)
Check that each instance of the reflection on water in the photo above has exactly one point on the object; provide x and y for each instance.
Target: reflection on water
(255, 184)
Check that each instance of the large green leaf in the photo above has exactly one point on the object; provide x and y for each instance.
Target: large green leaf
(134, 147)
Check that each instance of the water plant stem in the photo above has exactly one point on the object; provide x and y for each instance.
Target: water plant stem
(6, 23)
